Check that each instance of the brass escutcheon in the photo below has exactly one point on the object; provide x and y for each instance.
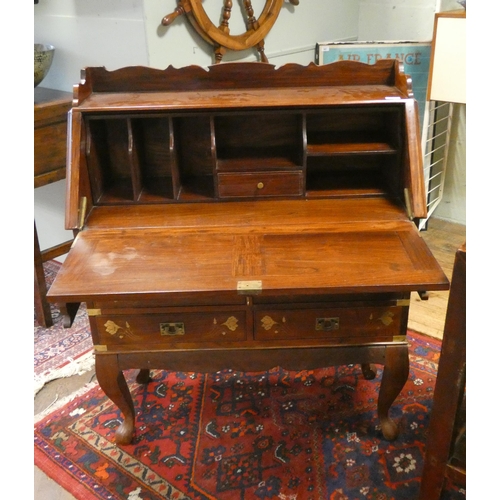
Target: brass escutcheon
(327, 324)
(172, 329)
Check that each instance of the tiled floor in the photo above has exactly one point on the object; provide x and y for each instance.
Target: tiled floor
(442, 238)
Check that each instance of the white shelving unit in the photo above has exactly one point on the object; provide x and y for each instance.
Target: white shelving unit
(446, 87)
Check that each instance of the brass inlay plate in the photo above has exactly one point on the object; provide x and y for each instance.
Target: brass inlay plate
(386, 318)
(94, 312)
(268, 322)
(249, 286)
(121, 331)
(399, 338)
(82, 210)
(100, 348)
(408, 203)
(231, 323)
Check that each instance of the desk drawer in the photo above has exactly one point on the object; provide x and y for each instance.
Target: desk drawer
(260, 184)
(324, 323)
(146, 330)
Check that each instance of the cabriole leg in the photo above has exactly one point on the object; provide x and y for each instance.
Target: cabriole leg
(395, 375)
(113, 383)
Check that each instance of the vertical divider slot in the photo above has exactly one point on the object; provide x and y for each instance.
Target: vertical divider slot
(135, 172)
(194, 140)
(304, 145)
(213, 148)
(174, 162)
(153, 153)
(108, 159)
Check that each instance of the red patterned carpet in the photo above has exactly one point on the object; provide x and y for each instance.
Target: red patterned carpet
(58, 351)
(245, 436)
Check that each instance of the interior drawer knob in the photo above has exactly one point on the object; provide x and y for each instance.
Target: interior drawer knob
(260, 185)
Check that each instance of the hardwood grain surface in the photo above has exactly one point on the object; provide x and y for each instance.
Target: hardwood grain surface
(373, 256)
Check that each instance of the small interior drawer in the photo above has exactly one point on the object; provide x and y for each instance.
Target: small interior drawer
(324, 323)
(153, 329)
(260, 184)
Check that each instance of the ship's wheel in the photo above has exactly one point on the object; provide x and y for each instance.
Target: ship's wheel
(220, 37)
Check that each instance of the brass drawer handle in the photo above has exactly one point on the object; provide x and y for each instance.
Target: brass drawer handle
(327, 324)
(172, 329)
(260, 185)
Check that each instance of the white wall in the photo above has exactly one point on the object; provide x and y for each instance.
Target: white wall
(107, 33)
(396, 20)
(89, 33)
(384, 20)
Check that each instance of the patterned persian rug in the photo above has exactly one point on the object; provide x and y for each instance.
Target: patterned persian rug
(309, 435)
(61, 352)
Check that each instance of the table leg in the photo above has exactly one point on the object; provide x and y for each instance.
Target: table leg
(369, 371)
(113, 383)
(42, 307)
(143, 377)
(395, 375)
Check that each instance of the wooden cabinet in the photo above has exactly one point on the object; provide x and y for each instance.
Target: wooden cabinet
(246, 217)
(50, 136)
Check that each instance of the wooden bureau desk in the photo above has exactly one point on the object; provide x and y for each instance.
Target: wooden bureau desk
(246, 217)
(50, 138)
